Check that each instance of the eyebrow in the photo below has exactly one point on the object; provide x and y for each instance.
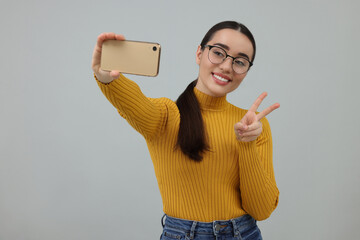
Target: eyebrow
(227, 48)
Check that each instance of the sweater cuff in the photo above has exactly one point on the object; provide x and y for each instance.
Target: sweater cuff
(101, 83)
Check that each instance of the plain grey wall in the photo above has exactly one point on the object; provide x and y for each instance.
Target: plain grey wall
(71, 168)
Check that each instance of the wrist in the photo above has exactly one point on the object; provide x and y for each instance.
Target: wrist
(103, 80)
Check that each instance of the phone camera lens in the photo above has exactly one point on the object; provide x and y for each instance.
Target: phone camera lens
(154, 48)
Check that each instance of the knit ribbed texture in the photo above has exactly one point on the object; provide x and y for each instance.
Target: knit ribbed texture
(233, 179)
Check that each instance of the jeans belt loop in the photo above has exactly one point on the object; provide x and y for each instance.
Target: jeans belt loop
(162, 220)
(192, 230)
(236, 230)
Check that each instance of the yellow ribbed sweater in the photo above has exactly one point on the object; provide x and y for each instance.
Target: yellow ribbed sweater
(233, 179)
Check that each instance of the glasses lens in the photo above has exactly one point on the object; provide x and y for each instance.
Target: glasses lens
(241, 65)
(216, 55)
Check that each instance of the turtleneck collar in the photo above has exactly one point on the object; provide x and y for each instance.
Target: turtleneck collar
(208, 102)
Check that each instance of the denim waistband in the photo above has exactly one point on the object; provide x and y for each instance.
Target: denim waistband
(234, 226)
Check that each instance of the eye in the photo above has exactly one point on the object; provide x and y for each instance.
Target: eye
(218, 52)
(240, 62)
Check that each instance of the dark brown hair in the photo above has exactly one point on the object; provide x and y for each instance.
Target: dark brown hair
(192, 135)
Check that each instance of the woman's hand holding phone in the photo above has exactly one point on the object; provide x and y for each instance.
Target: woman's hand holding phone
(104, 76)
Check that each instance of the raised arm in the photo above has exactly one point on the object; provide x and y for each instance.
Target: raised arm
(147, 116)
(259, 193)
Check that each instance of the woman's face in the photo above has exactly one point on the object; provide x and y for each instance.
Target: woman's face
(219, 79)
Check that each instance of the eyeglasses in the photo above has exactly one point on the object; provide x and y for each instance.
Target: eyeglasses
(218, 55)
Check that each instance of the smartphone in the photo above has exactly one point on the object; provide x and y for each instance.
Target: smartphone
(133, 57)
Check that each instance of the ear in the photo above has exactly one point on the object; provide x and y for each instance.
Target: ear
(199, 52)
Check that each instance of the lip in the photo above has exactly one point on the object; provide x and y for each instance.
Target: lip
(221, 75)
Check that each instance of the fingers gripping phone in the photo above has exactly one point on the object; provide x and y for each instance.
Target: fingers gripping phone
(133, 57)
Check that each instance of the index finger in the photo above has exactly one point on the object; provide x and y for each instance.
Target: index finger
(257, 102)
(108, 36)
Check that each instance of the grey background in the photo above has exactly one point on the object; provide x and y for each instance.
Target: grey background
(71, 168)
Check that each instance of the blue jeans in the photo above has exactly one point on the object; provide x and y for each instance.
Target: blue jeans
(241, 228)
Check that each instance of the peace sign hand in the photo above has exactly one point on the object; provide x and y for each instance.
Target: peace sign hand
(250, 127)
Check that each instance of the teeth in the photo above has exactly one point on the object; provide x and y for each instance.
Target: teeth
(221, 78)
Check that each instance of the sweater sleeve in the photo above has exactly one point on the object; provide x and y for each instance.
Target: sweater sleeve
(147, 116)
(259, 193)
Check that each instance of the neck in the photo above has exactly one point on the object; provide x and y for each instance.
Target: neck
(209, 102)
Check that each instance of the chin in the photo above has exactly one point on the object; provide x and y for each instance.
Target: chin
(218, 93)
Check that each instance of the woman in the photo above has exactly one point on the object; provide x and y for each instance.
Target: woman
(212, 160)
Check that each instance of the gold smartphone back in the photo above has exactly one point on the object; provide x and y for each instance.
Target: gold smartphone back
(133, 57)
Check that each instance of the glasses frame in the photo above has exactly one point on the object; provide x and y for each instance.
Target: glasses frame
(226, 56)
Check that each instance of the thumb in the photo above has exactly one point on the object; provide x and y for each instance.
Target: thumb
(114, 74)
(241, 126)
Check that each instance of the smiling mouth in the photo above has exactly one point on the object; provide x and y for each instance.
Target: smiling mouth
(224, 80)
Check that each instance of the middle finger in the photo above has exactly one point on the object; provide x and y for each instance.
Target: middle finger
(257, 102)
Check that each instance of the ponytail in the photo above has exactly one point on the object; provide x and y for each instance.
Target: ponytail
(191, 136)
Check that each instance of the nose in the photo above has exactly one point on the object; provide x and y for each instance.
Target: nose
(226, 65)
